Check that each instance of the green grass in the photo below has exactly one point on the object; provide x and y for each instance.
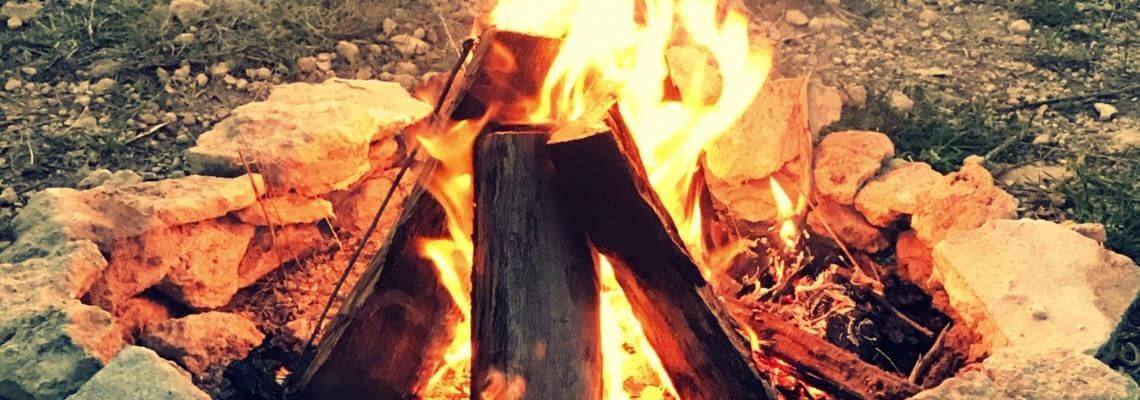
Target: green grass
(1057, 52)
(867, 8)
(1106, 189)
(941, 135)
(1053, 13)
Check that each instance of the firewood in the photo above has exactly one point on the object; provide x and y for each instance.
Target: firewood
(390, 334)
(535, 290)
(696, 339)
(506, 68)
(825, 365)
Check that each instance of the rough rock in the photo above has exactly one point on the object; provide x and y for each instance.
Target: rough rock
(67, 273)
(845, 160)
(825, 106)
(1035, 175)
(847, 225)
(1092, 230)
(21, 11)
(266, 252)
(796, 17)
(409, 45)
(51, 347)
(694, 72)
(204, 343)
(195, 264)
(138, 373)
(899, 102)
(102, 177)
(349, 51)
(1036, 285)
(1055, 375)
(308, 139)
(1019, 27)
(960, 201)
(896, 193)
(915, 261)
(138, 314)
(188, 10)
(288, 209)
(1104, 111)
(355, 209)
(106, 213)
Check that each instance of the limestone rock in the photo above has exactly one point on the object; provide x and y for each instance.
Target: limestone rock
(899, 102)
(139, 314)
(694, 72)
(825, 106)
(1036, 285)
(51, 347)
(138, 373)
(349, 51)
(1055, 375)
(845, 160)
(66, 274)
(1092, 230)
(898, 192)
(308, 139)
(21, 11)
(960, 201)
(356, 208)
(848, 226)
(796, 17)
(195, 264)
(188, 10)
(915, 262)
(1104, 111)
(409, 45)
(266, 253)
(1036, 175)
(284, 210)
(204, 343)
(101, 177)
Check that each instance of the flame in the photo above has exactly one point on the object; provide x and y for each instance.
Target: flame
(786, 213)
(626, 353)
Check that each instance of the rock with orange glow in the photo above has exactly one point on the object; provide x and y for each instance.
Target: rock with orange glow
(845, 160)
(961, 201)
(266, 252)
(195, 264)
(771, 133)
(284, 210)
(847, 225)
(693, 70)
(308, 139)
(138, 314)
(1035, 285)
(68, 273)
(356, 208)
(896, 193)
(205, 344)
(1053, 375)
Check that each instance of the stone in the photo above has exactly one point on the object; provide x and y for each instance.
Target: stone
(220, 69)
(1054, 375)
(13, 84)
(824, 24)
(1104, 111)
(204, 344)
(1036, 175)
(266, 252)
(103, 86)
(845, 160)
(102, 177)
(355, 209)
(308, 139)
(927, 16)
(188, 11)
(348, 51)
(51, 347)
(796, 17)
(855, 95)
(1125, 139)
(899, 102)
(195, 264)
(1019, 27)
(896, 193)
(138, 314)
(409, 46)
(825, 105)
(21, 12)
(694, 71)
(841, 222)
(915, 261)
(1092, 230)
(307, 64)
(284, 210)
(389, 25)
(86, 123)
(961, 201)
(138, 373)
(67, 273)
(1005, 275)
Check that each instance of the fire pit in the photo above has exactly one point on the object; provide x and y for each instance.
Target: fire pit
(607, 201)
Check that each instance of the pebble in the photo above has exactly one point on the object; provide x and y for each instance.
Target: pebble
(86, 123)
(419, 33)
(927, 16)
(9, 196)
(219, 69)
(1019, 27)
(184, 38)
(833, 3)
(389, 26)
(29, 71)
(82, 100)
(201, 79)
(263, 73)
(1104, 111)
(856, 95)
(15, 22)
(104, 85)
(1042, 139)
(307, 64)
(407, 67)
(12, 84)
(796, 17)
(899, 102)
(349, 51)
(241, 83)
(148, 118)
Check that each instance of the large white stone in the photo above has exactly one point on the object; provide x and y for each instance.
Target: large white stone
(137, 373)
(1035, 285)
(1054, 375)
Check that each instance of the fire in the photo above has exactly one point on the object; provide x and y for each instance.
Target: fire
(610, 49)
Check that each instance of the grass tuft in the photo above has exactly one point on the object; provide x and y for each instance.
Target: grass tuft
(1054, 51)
(1106, 189)
(1053, 13)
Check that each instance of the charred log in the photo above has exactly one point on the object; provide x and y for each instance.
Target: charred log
(535, 292)
(704, 355)
(507, 68)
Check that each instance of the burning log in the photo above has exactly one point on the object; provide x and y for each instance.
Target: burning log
(694, 336)
(535, 292)
(393, 328)
(506, 68)
(825, 365)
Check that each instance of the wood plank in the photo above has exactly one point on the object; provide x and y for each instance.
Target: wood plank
(535, 290)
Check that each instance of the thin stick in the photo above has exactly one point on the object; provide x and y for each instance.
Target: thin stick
(1082, 98)
(924, 360)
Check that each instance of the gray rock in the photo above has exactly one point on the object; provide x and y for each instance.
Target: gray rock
(138, 373)
(68, 273)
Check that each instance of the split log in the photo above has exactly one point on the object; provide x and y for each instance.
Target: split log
(535, 290)
(824, 365)
(506, 69)
(695, 337)
(393, 328)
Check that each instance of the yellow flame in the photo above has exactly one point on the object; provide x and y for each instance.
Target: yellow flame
(786, 213)
(626, 353)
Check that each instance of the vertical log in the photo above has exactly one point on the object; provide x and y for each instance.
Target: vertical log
(535, 291)
(390, 334)
(695, 337)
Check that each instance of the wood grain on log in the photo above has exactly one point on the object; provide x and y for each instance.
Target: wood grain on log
(507, 69)
(705, 357)
(534, 286)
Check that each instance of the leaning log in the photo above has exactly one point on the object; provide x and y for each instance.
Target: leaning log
(393, 328)
(824, 365)
(506, 69)
(695, 337)
(534, 287)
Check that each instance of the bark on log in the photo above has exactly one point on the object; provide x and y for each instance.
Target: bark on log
(705, 357)
(825, 365)
(390, 334)
(534, 287)
(508, 68)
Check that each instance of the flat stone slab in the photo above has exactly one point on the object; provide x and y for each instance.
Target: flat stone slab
(1036, 285)
(138, 373)
(1054, 375)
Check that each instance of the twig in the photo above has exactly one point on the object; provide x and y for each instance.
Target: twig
(887, 305)
(447, 31)
(924, 360)
(1082, 98)
(148, 132)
